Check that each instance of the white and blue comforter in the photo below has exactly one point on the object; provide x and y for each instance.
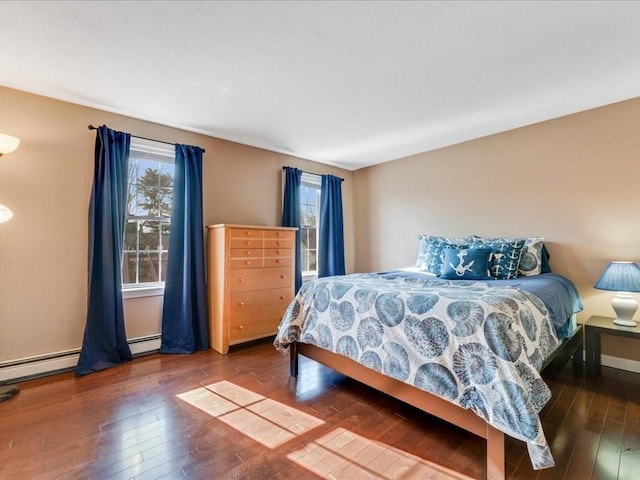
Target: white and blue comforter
(474, 343)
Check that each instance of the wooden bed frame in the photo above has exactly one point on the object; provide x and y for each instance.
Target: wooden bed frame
(466, 419)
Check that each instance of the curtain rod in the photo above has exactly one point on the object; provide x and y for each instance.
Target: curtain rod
(319, 174)
(91, 127)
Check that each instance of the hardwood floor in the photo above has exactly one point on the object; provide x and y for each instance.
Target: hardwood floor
(242, 416)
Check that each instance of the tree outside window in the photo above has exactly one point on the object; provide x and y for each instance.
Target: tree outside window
(149, 203)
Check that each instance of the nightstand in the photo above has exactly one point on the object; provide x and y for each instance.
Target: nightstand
(593, 328)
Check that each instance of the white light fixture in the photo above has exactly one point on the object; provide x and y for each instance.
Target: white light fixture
(8, 144)
(5, 214)
(624, 278)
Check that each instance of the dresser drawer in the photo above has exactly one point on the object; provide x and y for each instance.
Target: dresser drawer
(243, 304)
(246, 253)
(236, 263)
(278, 252)
(242, 280)
(253, 328)
(250, 242)
(278, 262)
(279, 233)
(257, 314)
(245, 233)
(278, 243)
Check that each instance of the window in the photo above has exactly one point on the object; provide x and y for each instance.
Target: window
(148, 217)
(310, 212)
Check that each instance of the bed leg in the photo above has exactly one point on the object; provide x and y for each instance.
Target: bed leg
(496, 461)
(293, 359)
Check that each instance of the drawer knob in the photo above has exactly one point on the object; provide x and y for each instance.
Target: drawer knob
(241, 280)
(279, 234)
(281, 297)
(248, 262)
(247, 242)
(277, 252)
(248, 252)
(281, 276)
(278, 260)
(241, 304)
(241, 327)
(278, 242)
(248, 233)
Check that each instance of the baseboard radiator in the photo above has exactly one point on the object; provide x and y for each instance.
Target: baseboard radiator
(65, 361)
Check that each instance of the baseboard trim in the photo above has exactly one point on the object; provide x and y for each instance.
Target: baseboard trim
(64, 361)
(620, 363)
(41, 365)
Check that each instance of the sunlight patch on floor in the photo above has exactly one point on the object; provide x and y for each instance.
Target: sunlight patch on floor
(343, 454)
(336, 455)
(264, 420)
(234, 393)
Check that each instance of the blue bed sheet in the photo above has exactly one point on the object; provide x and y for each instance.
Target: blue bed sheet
(558, 293)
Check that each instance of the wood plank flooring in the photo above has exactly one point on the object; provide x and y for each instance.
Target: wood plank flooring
(241, 416)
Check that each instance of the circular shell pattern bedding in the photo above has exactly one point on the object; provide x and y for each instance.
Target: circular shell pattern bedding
(475, 344)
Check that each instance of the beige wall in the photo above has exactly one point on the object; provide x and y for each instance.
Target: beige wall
(573, 180)
(47, 184)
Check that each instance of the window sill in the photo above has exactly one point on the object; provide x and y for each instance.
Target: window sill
(140, 292)
(308, 278)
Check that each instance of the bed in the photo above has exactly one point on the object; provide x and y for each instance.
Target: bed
(469, 351)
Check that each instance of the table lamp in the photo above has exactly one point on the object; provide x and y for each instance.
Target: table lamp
(624, 278)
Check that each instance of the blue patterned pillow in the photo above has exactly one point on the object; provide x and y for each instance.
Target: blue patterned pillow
(430, 253)
(532, 260)
(546, 266)
(505, 257)
(466, 263)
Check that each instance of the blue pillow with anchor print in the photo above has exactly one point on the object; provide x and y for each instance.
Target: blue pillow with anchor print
(430, 253)
(465, 263)
(505, 257)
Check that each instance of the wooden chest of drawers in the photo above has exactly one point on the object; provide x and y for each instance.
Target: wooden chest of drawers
(251, 281)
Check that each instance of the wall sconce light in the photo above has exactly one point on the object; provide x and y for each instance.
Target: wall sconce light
(624, 278)
(8, 144)
(5, 214)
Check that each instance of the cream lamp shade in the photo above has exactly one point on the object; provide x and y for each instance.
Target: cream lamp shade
(5, 214)
(8, 144)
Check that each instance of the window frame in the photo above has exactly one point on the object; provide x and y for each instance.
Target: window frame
(314, 181)
(162, 153)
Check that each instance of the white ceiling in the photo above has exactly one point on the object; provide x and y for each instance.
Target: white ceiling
(349, 84)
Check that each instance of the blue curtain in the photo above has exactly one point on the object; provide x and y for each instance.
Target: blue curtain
(185, 327)
(331, 245)
(291, 214)
(105, 341)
